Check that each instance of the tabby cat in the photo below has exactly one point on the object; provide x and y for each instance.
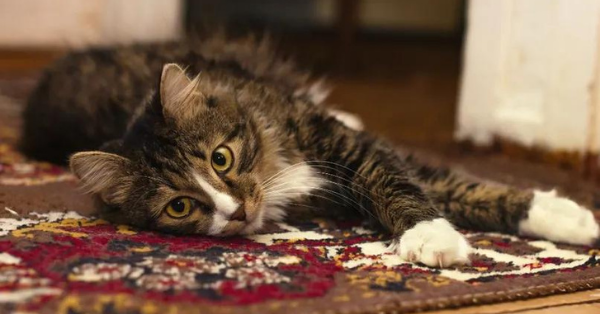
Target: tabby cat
(221, 137)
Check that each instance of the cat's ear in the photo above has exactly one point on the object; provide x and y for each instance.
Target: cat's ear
(104, 174)
(179, 96)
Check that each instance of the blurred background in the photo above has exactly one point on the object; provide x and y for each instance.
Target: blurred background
(505, 88)
(394, 62)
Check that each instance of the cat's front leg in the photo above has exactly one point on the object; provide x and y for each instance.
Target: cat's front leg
(376, 181)
(421, 233)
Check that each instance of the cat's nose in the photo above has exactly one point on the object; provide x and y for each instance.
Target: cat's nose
(239, 214)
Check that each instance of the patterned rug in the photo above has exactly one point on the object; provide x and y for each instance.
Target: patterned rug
(55, 257)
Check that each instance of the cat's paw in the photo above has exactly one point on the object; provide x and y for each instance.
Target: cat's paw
(559, 219)
(434, 243)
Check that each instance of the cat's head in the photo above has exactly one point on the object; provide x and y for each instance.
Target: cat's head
(194, 161)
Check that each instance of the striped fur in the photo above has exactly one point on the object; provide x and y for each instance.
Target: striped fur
(288, 150)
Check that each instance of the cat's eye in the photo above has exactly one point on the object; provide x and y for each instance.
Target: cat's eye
(180, 207)
(222, 159)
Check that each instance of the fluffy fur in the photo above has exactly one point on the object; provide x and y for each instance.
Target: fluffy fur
(434, 243)
(558, 219)
(150, 120)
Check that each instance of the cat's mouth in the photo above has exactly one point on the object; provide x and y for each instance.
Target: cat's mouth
(242, 227)
(233, 228)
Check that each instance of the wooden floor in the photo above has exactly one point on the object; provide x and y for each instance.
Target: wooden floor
(405, 90)
(585, 302)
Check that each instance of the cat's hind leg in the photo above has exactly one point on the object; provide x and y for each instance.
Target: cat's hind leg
(559, 219)
(494, 207)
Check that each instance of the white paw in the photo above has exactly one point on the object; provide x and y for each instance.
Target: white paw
(434, 243)
(559, 219)
(350, 120)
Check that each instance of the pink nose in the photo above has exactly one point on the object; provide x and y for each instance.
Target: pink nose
(239, 214)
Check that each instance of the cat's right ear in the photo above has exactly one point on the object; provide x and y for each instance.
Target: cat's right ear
(104, 174)
(179, 95)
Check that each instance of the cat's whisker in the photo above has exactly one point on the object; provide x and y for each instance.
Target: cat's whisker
(291, 167)
(317, 162)
(343, 188)
(283, 171)
(345, 204)
(272, 185)
(268, 183)
(315, 181)
(313, 195)
(353, 189)
(269, 188)
(318, 188)
(313, 163)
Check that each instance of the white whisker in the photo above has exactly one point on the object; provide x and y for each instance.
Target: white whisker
(272, 178)
(329, 173)
(318, 188)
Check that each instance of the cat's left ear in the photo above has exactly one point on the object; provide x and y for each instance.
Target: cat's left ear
(179, 96)
(104, 174)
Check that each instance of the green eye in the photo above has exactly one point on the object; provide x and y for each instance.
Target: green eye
(179, 207)
(222, 159)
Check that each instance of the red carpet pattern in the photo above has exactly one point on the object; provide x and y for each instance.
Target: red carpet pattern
(49, 259)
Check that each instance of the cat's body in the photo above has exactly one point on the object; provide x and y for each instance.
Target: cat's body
(247, 140)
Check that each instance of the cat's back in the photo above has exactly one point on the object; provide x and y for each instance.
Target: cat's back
(87, 97)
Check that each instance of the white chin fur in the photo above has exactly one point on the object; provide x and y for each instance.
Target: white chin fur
(268, 214)
(291, 183)
(434, 243)
(559, 219)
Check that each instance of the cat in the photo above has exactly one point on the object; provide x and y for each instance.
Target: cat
(220, 137)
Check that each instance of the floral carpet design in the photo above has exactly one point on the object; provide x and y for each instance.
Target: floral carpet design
(50, 259)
